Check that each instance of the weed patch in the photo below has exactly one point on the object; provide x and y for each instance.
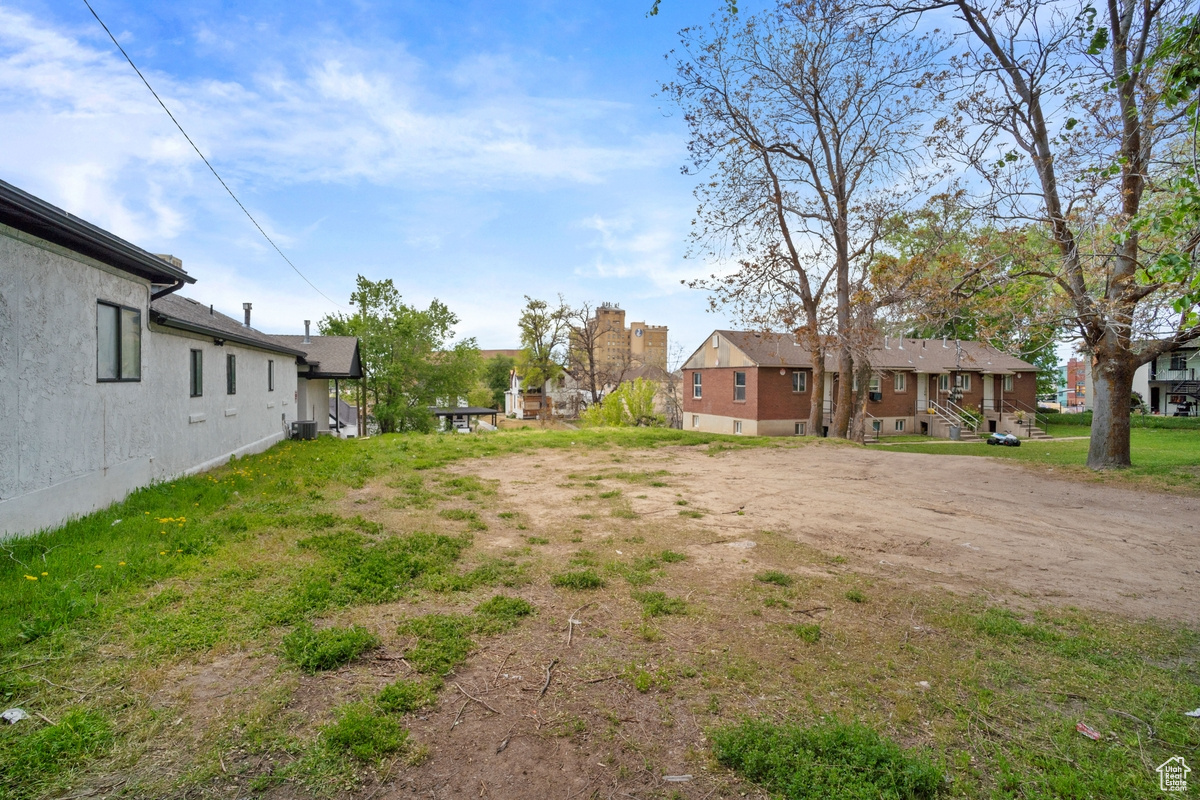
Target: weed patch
(363, 734)
(404, 697)
(657, 604)
(314, 651)
(774, 576)
(847, 761)
(32, 757)
(579, 579)
(810, 633)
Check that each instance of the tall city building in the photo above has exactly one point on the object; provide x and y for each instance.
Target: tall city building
(637, 344)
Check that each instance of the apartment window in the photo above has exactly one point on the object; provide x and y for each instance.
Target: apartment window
(695, 420)
(899, 426)
(900, 382)
(943, 383)
(876, 425)
(696, 385)
(270, 374)
(799, 382)
(231, 374)
(737, 426)
(1178, 361)
(196, 371)
(118, 343)
(1008, 383)
(739, 386)
(873, 387)
(963, 382)
(800, 428)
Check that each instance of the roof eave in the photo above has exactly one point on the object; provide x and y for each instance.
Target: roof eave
(217, 333)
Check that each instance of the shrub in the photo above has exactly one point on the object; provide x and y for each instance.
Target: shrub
(313, 651)
(832, 759)
(855, 596)
(671, 557)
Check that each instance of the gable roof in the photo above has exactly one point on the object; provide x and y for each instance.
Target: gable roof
(32, 215)
(328, 356)
(184, 313)
(919, 355)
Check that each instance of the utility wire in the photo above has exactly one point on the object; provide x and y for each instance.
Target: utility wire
(205, 160)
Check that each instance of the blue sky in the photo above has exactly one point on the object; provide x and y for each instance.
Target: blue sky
(471, 151)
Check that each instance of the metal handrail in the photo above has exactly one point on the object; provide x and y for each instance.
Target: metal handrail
(962, 415)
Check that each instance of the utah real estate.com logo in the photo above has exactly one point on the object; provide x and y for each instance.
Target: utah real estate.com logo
(1172, 774)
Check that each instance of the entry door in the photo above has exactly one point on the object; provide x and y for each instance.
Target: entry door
(922, 382)
(989, 392)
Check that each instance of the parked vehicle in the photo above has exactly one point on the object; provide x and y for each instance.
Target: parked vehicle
(1004, 440)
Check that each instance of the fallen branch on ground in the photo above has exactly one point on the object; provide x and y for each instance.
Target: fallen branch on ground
(476, 699)
(546, 685)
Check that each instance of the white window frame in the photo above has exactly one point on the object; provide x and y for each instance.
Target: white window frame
(801, 428)
(695, 420)
(900, 426)
(737, 426)
(697, 385)
(944, 382)
(900, 382)
(1007, 383)
(736, 386)
(876, 385)
(963, 381)
(799, 382)
(716, 340)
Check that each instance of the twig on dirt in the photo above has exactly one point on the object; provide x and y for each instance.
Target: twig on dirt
(496, 677)
(454, 724)
(503, 745)
(808, 612)
(221, 761)
(1149, 727)
(571, 621)
(601, 680)
(476, 699)
(546, 685)
(46, 719)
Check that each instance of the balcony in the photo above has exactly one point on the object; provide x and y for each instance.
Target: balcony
(1173, 375)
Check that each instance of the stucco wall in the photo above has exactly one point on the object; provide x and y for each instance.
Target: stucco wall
(69, 444)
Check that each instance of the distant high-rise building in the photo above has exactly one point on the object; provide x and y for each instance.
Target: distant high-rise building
(619, 346)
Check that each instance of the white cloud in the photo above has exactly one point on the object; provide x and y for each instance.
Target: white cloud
(647, 245)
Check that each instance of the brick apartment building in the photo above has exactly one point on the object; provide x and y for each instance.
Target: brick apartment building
(761, 384)
(621, 346)
(1077, 380)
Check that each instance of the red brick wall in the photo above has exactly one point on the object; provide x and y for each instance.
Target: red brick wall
(894, 404)
(776, 400)
(717, 393)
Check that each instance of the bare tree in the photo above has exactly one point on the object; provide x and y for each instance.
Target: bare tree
(1061, 113)
(807, 125)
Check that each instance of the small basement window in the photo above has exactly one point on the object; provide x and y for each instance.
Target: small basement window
(876, 425)
(231, 374)
(695, 420)
(900, 426)
(737, 426)
(196, 371)
(800, 428)
(118, 343)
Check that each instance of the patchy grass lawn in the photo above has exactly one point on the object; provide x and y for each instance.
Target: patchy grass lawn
(1163, 458)
(350, 618)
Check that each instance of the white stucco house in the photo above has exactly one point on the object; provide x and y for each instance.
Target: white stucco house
(110, 380)
(1169, 385)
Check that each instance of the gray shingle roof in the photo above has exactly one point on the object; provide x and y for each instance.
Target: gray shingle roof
(920, 355)
(183, 313)
(329, 356)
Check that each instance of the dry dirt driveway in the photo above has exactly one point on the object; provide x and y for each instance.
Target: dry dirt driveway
(960, 522)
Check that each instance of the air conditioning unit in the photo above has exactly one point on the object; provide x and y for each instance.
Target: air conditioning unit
(304, 429)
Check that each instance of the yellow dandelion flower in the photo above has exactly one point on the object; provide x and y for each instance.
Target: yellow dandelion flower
(44, 574)
(30, 578)
(121, 564)
(162, 552)
(178, 551)
(99, 566)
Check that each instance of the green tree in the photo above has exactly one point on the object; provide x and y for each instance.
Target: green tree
(497, 372)
(544, 331)
(630, 405)
(408, 355)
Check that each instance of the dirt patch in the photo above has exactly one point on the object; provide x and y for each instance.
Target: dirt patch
(955, 522)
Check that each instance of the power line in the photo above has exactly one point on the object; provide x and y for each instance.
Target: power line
(205, 160)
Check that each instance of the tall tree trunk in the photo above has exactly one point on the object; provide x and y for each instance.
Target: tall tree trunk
(816, 412)
(843, 402)
(1112, 382)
